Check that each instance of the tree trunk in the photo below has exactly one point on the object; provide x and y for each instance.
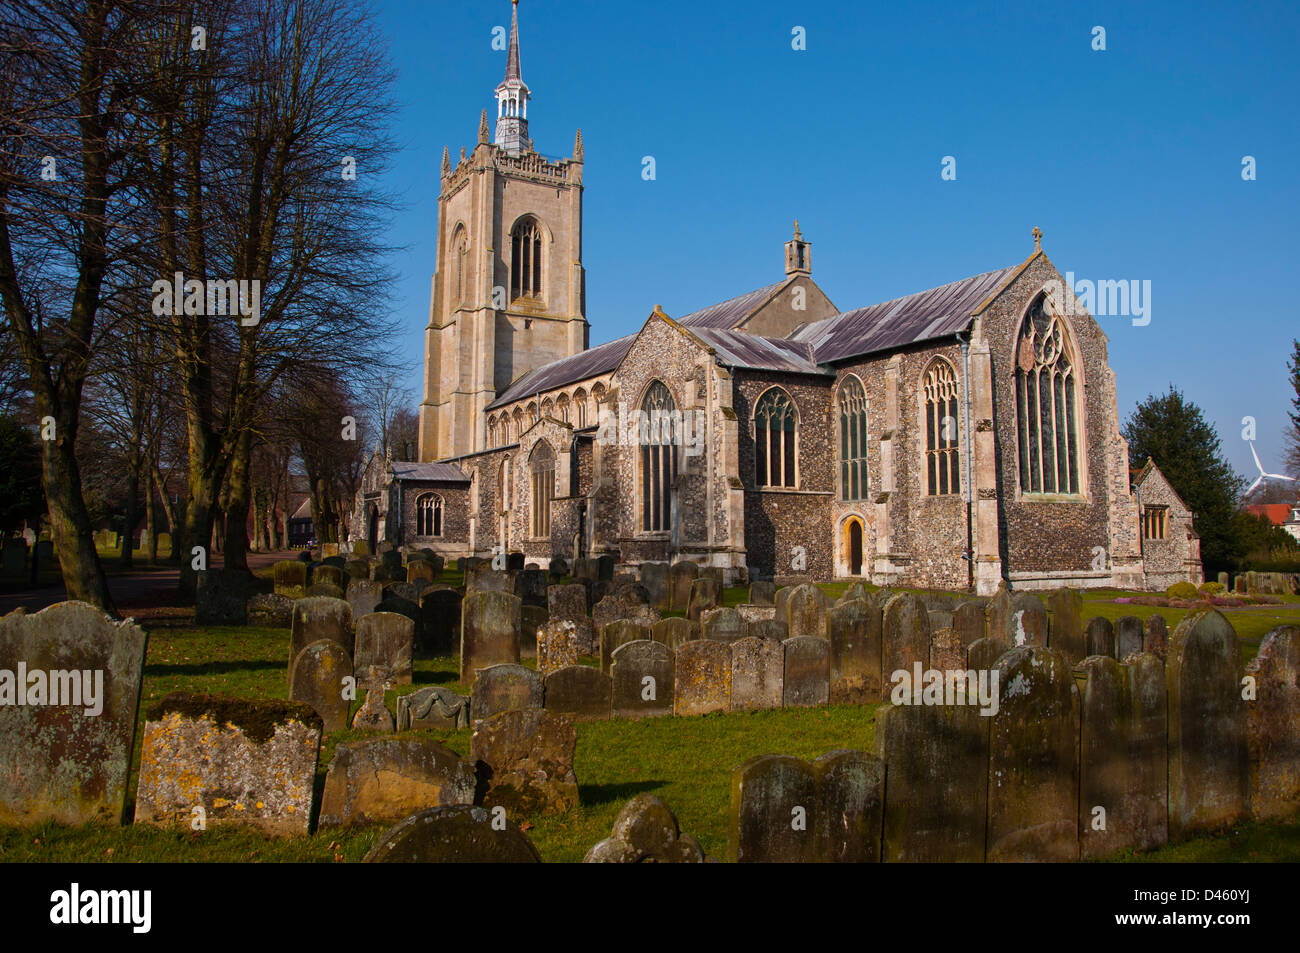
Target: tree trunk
(83, 574)
(237, 497)
(132, 514)
(151, 520)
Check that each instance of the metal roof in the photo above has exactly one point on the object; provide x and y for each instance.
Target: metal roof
(590, 363)
(444, 472)
(742, 349)
(923, 316)
(729, 313)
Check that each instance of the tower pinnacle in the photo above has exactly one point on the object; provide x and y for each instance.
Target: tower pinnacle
(512, 97)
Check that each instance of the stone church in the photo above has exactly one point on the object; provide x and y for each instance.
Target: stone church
(953, 438)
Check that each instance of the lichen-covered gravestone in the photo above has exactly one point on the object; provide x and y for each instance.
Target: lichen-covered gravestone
(805, 609)
(290, 578)
(1156, 638)
(757, 674)
(646, 831)
(643, 679)
(373, 716)
(387, 779)
(1028, 622)
(723, 625)
(503, 687)
(228, 761)
(807, 671)
(69, 690)
(580, 691)
(854, 629)
(773, 810)
(1208, 768)
(385, 642)
(318, 678)
(525, 757)
(363, 595)
(268, 609)
(1129, 634)
(703, 677)
(1273, 726)
(850, 807)
(557, 646)
(461, 834)
(316, 618)
(675, 632)
(489, 631)
(617, 633)
(1034, 759)
(705, 593)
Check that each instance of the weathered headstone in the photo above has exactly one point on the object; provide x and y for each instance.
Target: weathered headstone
(1273, 726)
(420, 569)
(316, 618)
(330, 575)
(773, 630)
(614, 634)
(1065, 633)
(807, 671)
(439, 629)
(290, 578)
(705, 593)
(850, 807)
(557, 646)
(504, 687)
(805, 612)
(385, 641)
(583, 692)
(646, 831)
(675, 632)
(680, 577)
(654, 576)
(1100, 637)
(904, 636)
(946, 651)
(984, 653)
(643, 679)
(317, 679)
(1208, 767)
(525, 757)
(1129, 634)
(432, 707)
(997, 611)
(969, 623)
(762, 593)
(221, 597)
(268, 609)
(1028, 622)
(1156, 638)
(363, 595)
(703, 677)
(245, 763)
(531, 618)
(67, 762)
(757, 674)
(489, 631)
(856, 591)
(773, 811)
(373, 715)
(854, 629)
(723, 625)
(387, 779)
(459, 834)
(325, 590)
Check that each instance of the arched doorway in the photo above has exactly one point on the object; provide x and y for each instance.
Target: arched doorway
(853, 546)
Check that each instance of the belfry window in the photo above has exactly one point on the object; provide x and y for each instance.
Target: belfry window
(526, 260)
(1046, 411)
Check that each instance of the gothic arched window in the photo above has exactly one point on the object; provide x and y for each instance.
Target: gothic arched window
(503, 486)
(852, 405)
(775, 439)
(580, 406)
(562, 403)
(1046, 411)
(492, 432)
(526, 259)
(542, 465)
(460, 252)
(942, 453)
(658, 458)
(428, 515)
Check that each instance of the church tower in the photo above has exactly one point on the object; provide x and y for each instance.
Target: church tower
(508, 295)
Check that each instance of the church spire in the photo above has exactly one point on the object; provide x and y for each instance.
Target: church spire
(512, 97)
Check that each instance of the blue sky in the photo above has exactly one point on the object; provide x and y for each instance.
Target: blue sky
(1129, 160)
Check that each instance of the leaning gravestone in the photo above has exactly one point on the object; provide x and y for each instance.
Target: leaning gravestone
(386, 779)
(1028, 622)
(503, 687)
(904, 636)
(757, 674)
(489, 631)
(363, 595)
(705, 593)
(245, 763)
(1273, 726)
(1034, 759)
(1129, 632)
(1208, 768)
(646, 831)
(290, 577)
(675, 632)
(432, 707)
(1100, 637)
(937, 761)
(614, 634)
(557, 646)
(854, 629)
(807, 672)
(317, 680)
(316, 618)
(580, 691)
(1065, 634)
(680, 577)
(643, 679)
(385, 642)
(703, 677)
(221, 597)
(525, 757)
(461, 834)
(67, 762)
(773, 811)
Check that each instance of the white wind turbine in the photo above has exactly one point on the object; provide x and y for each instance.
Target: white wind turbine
(1262, 475)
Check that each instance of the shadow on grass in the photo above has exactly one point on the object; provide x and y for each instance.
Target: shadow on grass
(591, 795)
(433, 678)
(214, 668)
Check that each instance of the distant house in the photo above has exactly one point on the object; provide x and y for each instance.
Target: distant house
(1285, 515)
(1171, 549)
(300, 524)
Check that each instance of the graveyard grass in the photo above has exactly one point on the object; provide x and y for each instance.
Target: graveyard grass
(686, 761)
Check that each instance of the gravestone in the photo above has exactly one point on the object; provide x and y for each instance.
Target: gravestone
(856, 591)
(757, 674)
(486, 579)
(68, 762)
(557, 646)
(245, 763)
(773, 811)
(904, 636)
(939, 619)
(674, 632)
(330, 575)
(705, 593)
(680, 577)
(968, 623)
(1149, 752)
(723, 625)
(363, 595)
(489, 632)
(807, 671)
(1208, 767)
(984, 653)
(654, 576)
(420, 569)
(531, 618)
(373, 715)
(502, 688)
(854, 629)
(646, 831)
(432, 707)
(1129, 633)
(316, 618)
(360, 548)
(850, 807)
(614, 634)
(643, 681)
(268, 609)
(221, 597)
(461, 834)
(530, 586)
(1156, 637)
(770, 629)
(1101, 637)
(1065, 634)
(703, 677)
(1028, 622)
(525, 759)
(357, 570)
(384, 780)
(1034, 759)
(580, 691)
(385, 642)
(317, 680)
(946, 652)
(567, 602)
(937, 761)
(762, 593)
(324, 589)
(805, 612)
(1273, 726)
(290, 577)
(440, 621)
(998, 614)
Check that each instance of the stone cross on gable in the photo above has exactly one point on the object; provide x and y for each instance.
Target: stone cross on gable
(1038, 238)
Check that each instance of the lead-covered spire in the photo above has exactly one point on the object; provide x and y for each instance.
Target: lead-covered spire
(512, 97)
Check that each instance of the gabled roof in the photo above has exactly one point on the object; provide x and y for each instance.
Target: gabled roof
(923, 316)
(742, 349)
(443, 472)
(729, 313)
(590, 363)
